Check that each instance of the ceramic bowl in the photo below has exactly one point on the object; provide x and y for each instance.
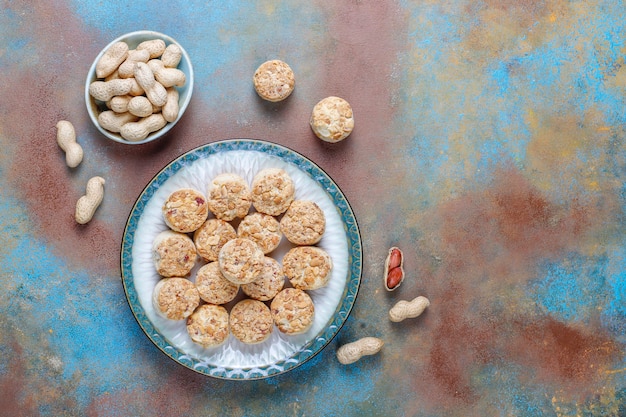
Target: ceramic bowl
(95, 107)
(280, 352)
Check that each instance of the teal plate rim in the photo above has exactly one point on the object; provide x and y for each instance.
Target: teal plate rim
(315, 345)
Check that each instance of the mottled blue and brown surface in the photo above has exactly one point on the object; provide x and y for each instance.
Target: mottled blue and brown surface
(489, 145)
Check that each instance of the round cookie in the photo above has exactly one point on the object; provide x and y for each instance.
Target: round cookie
(268, 284)
(208, 325)
(332, 119)
(174, 254)
(211, 236)
(273, 190)
(185, 210)
(304, 223)
(307, 267)
(262, 229)
(213, 287)
(175, 298)
(229, 197)
(251, 321)
(293, 311)
(241, 260)
(274, 80)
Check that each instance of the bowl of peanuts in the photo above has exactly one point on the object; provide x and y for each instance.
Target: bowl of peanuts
(139, 87)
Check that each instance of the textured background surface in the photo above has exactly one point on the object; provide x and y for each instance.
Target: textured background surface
(489, 145)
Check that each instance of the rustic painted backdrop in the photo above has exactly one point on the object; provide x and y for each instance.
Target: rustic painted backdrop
(489, 146)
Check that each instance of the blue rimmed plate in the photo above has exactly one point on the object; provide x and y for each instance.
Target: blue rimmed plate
(333, 303)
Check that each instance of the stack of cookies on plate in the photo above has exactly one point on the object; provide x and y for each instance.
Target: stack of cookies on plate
(233, 245)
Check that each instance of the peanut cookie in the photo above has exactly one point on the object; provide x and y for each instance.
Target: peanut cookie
(251, 321)
(332, 119)
(273, 191)
(262, 229)
(213, 287)
(304, 223)
(293, 311)
(211, 236)
(175, 298)
(208, 325)
(241, 261)
(268, 284)
(307, 267)
(174, 254)
(229, 197)
(185, 210)
(274, 80)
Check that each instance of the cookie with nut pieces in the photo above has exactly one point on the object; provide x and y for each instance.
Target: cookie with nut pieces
(174, 254)
(307, 267)
(332, 119)
(274, 80)
(293, 311)
(241, 261)
(262, 229)
(175, 298)
(213, 287)
(268, 284)
(229, 196)
(251, 321)
(211, 236)
(185, 210)
(273, 191)
(304, 223)
(208, 325)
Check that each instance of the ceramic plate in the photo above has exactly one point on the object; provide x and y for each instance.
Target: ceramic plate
(235, 360)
